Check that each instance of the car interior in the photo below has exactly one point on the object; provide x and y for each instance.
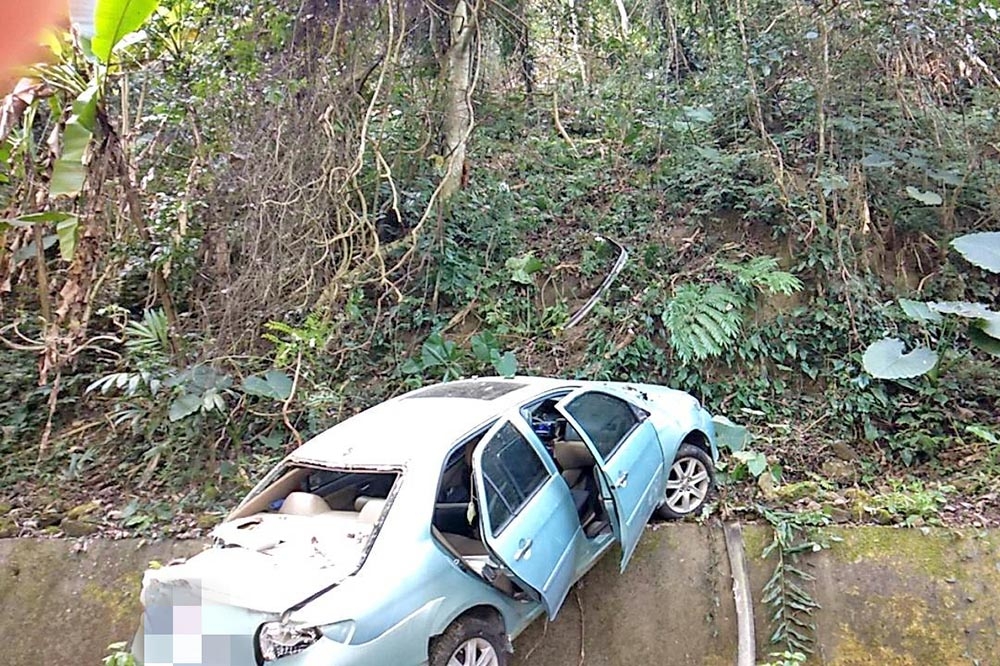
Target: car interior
(574, 461)
(455, 524)
(341, 495)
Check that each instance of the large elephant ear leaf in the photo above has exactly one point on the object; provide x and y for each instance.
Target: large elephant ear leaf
(918, 311)
(981, 337)
(927, 198)
(106, 22)
(885, 360)
(985, 334)
(275, 384)
(729, 435)
(981, 249)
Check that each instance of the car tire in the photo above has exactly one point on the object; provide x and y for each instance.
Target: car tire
(479, 635)
(690, 483)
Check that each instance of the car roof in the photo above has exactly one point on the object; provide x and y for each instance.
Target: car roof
(426, 422)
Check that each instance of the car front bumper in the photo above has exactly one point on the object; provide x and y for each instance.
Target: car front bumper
(224, 636)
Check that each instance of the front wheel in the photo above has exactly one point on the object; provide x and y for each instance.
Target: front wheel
(689, 484)
(470, 641)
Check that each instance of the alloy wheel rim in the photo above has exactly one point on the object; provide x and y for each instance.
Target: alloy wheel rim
(474, 652)
(687, 485)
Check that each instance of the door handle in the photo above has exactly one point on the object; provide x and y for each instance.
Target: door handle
(523, 549)
(622, 480)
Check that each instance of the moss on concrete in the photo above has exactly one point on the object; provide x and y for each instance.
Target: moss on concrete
(890, 597)
(928, 551)
(853, 652)
(120, 599)
(923, 637)
(26, 571)
(648, 547)
(755, 539)
(90, 595)
(905, 596)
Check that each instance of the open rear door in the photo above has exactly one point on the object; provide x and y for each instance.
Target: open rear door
(628, 455)
(528, 519)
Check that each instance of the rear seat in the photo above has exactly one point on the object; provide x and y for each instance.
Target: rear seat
(303, 504)
(371, 511)
(367, 509)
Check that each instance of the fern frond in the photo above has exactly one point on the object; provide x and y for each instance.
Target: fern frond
(149, 336)
(703, 321)
(763, 273)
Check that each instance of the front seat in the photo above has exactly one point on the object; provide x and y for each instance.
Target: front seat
(577, 463)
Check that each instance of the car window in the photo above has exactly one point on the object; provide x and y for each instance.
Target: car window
(325, 483)
(454, 480)
(512, 472)
(607, 420)
(454, 486)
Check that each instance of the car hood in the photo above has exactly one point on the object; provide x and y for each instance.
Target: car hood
(266, 562)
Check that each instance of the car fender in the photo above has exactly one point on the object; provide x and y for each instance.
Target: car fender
(671, 438)
(404, 643)
(487, 597)
(429, 593)
(375, 608)
(675, 415)
(414, 629)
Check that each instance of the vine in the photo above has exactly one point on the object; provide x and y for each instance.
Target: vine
(790, 603)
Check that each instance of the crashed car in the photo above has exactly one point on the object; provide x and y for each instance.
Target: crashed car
(432, 528)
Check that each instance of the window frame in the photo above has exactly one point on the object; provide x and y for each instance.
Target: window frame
(639, 414)
(458, 447)
(490, 485)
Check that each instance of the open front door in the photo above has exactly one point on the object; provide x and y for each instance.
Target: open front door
(628, 455)
(528, 519)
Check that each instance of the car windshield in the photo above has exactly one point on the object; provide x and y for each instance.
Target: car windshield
(301, 512)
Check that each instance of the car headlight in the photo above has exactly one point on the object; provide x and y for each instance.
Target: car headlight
(341, 632)
(276, 640)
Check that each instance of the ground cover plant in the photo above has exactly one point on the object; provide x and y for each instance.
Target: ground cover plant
(242, 224)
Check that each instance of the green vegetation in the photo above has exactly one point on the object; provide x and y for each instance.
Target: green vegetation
(786, 594)
(118, 655)
(244, 223)
(785, 658)
(885, 359)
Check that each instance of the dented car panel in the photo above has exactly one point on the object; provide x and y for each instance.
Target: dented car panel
(375, 537)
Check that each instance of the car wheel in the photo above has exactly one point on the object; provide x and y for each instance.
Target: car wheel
(689, 484)
(470, 641)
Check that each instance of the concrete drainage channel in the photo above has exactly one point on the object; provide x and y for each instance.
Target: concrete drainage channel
(888, 597)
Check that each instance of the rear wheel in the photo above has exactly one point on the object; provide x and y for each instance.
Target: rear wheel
(470, 641)
(689, 484)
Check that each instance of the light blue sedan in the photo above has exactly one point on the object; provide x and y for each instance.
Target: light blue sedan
(432, 528)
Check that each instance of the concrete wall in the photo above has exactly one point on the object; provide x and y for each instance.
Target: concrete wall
(63, 608)
(890, 597)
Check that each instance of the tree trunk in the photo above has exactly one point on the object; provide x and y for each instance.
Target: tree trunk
(525, 55)
(577, 45)
(458, 113)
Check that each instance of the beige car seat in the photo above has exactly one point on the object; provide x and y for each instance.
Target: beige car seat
(303, 504)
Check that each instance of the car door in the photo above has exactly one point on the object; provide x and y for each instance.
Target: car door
(628, 455)
(527, 516)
